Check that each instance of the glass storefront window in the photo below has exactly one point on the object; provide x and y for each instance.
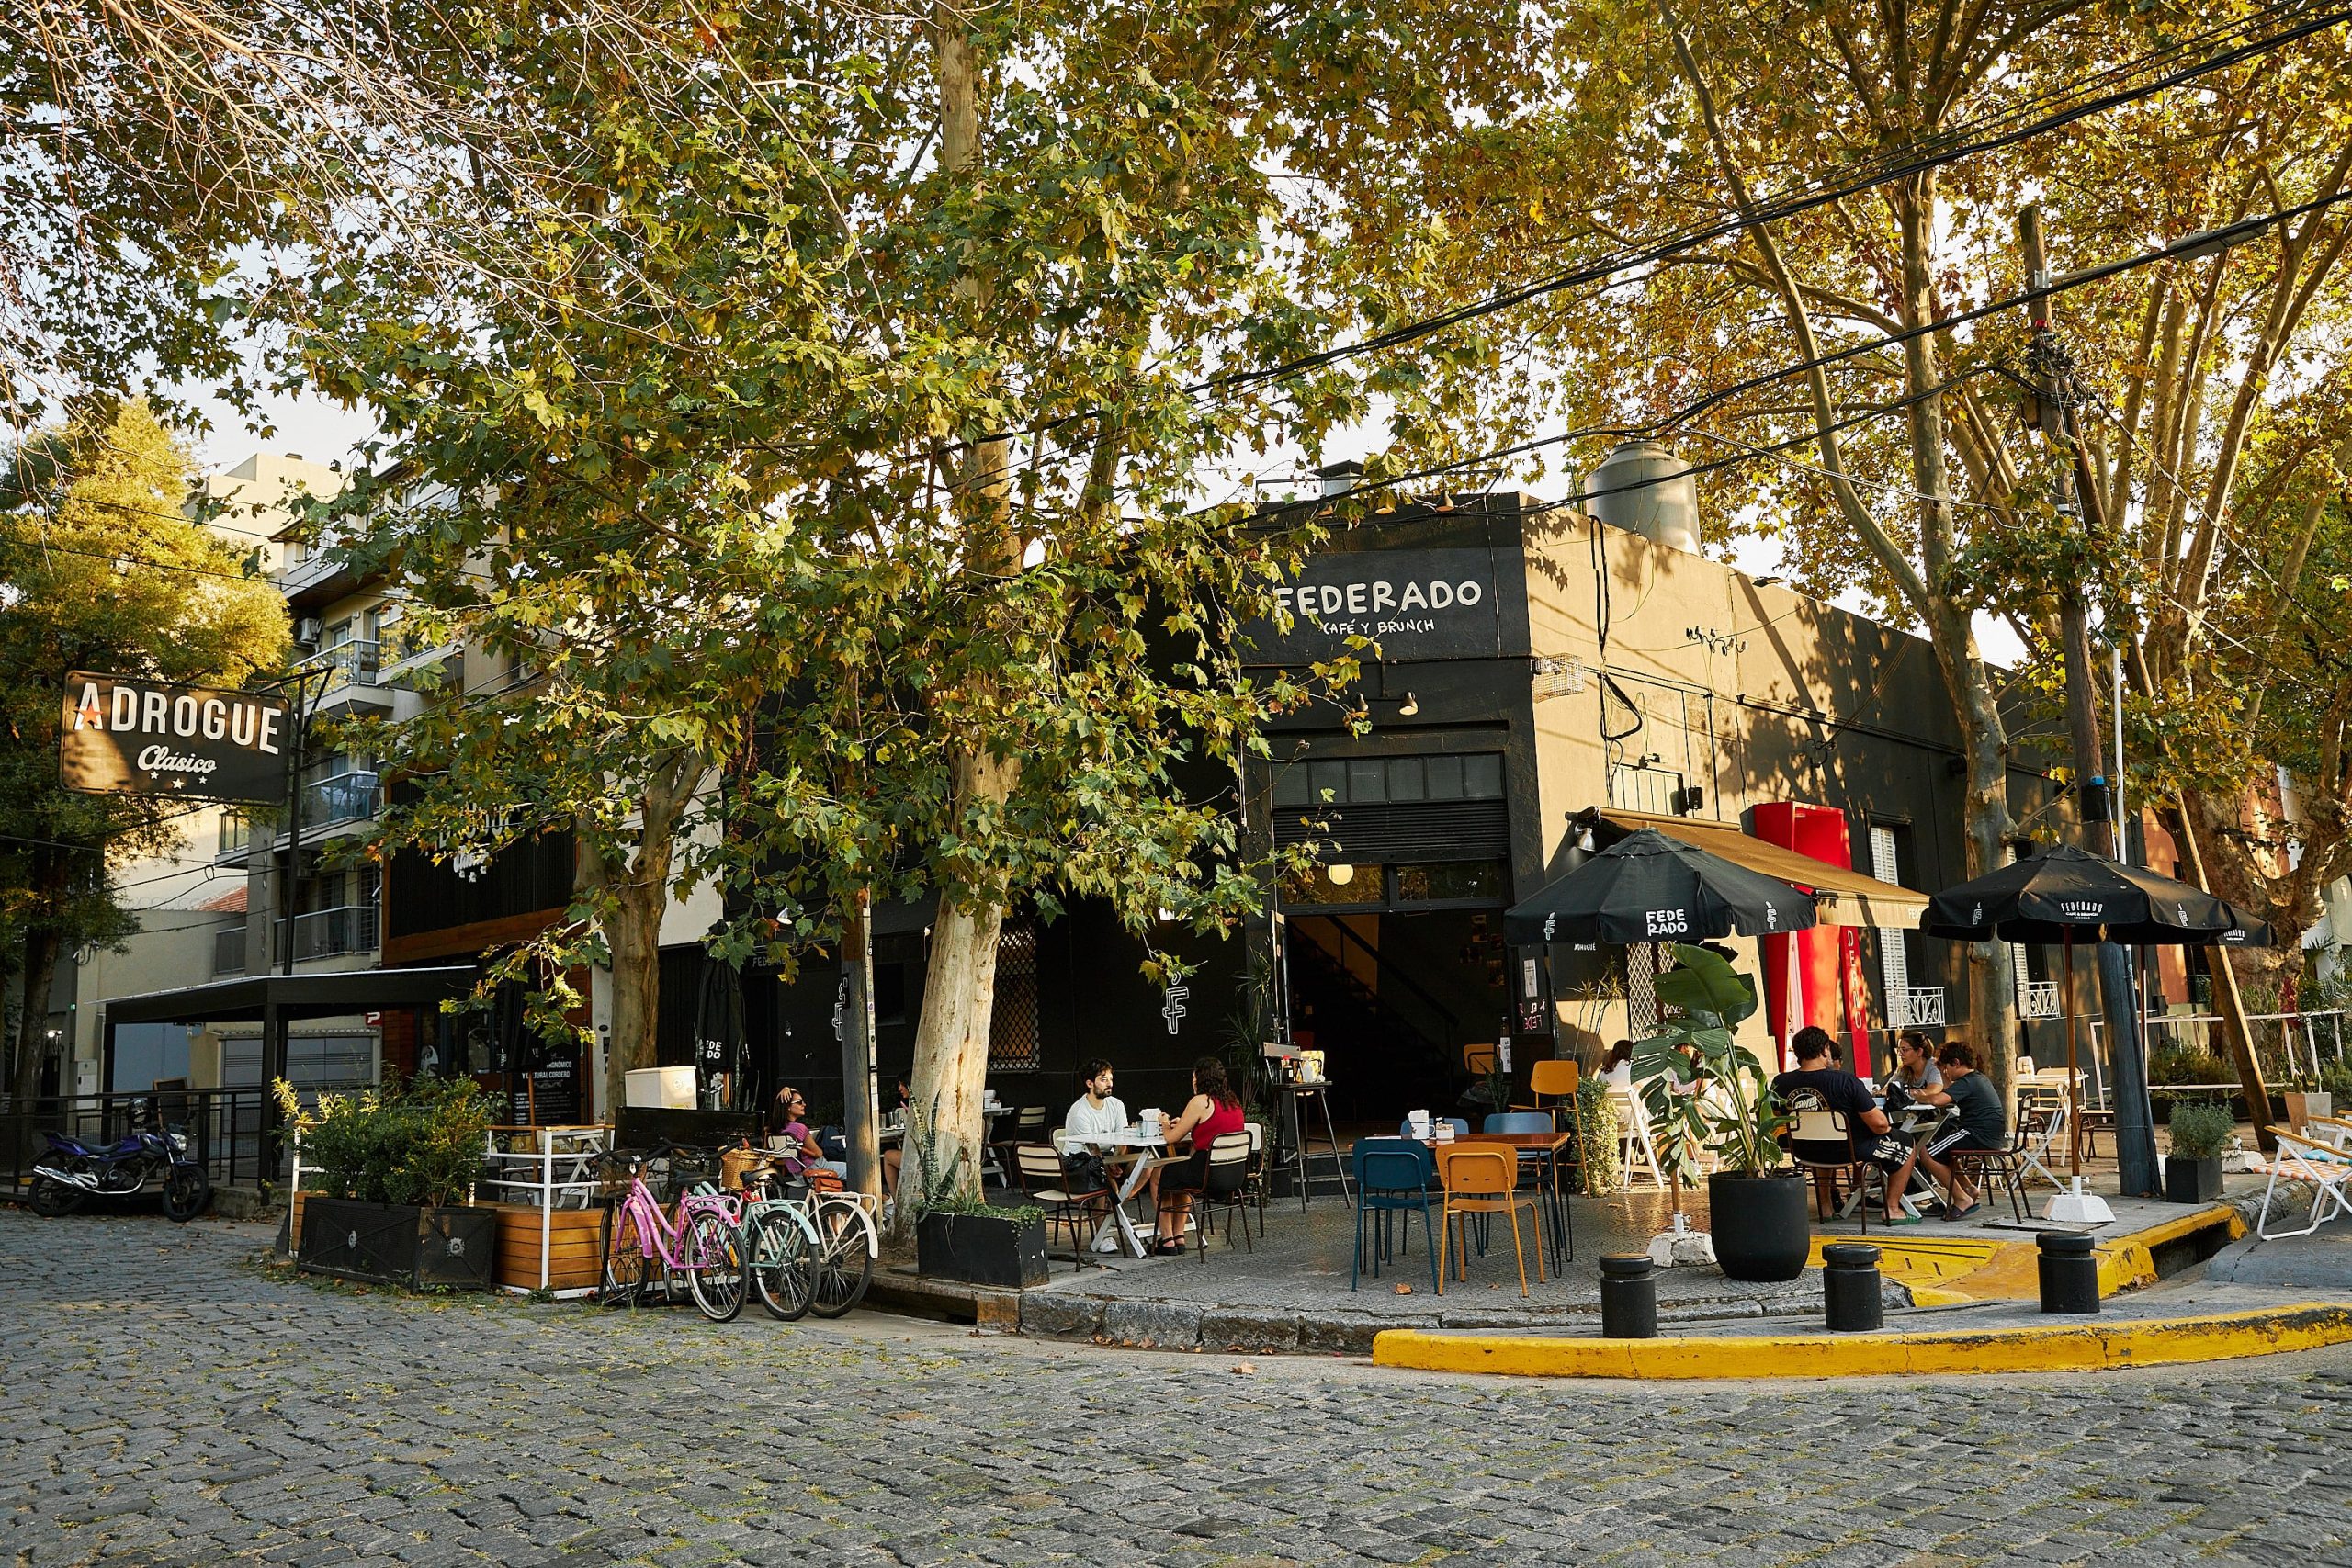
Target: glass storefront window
(1364, 884)
(1482, 776)
(1407, 779)
(1459, 879)
(1444, 778)
(1367, 780)
(1477, 775)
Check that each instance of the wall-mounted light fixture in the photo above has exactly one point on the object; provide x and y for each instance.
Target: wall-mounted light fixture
(1412, 705)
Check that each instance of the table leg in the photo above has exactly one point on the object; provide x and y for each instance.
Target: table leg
(1298, 1145)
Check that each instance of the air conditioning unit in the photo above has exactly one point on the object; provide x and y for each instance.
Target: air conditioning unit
(308, 630)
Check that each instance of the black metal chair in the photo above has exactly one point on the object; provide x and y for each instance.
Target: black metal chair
(1224, 1184)
(1046, 1180)
(2006, 1165)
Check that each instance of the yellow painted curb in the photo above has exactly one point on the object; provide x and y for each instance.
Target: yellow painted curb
(1951, 1270)
(2078, 1346)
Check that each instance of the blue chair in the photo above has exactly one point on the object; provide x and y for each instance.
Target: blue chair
(1393, 1176)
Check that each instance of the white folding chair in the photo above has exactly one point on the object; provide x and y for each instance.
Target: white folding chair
(1633, 1132)
(2045, 1092)
(2306, 1163)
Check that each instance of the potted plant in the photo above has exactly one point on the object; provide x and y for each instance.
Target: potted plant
(389, 1182)
(2201, 1131)
(1597, 1134)
(963, 1237)
(2306, 1097)
(1701, 1087)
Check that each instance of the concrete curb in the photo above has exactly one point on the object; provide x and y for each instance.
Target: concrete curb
(2076, 1346)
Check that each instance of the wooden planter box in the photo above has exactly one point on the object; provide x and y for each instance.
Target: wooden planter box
(565, 1254)
(407, 1245)
(981, 1250)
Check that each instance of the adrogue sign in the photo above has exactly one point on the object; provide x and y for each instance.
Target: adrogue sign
(119, 736)
(1414, 603)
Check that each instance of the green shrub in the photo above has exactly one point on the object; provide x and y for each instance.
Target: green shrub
(413, 1142)
(2335, 1080)
(1597, 1138)
(2200, 1129)
(2175, 1064)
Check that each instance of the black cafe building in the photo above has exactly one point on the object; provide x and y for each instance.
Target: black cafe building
(1547, 678)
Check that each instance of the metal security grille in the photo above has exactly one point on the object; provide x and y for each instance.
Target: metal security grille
(1403, 832)
(1013, 1026)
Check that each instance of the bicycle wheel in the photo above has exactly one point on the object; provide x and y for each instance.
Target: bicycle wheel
(780, 1263)
(627, 1270)
(714, 1271)
(844, 1263)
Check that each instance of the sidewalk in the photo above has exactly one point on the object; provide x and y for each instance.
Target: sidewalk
(1291, 1292)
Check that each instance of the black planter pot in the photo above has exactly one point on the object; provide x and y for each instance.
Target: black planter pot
(408, 1244)
(982, 1250)
(2193, 1180)
(1761, 1225)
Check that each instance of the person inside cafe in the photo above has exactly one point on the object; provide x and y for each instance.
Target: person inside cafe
(789, 1136)
(1213, 1111)
(1869, 1134)
(1979, 1123)
(893, 1155)
(1915, 1069)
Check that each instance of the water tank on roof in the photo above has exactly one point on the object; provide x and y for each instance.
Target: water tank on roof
(1647, 489)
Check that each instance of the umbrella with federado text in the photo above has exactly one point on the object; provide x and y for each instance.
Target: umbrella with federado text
(2065, 895)
(1648, 887)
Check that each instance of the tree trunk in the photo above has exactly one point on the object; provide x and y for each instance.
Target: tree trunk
(951, 1066)
(633, 932)
(49, 884)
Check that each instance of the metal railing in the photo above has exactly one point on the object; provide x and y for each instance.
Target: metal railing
(224, 1128)
(1915, 1007)
(330, 933)
(345, 797)
(2038, 999)
(352, 663)
(229, 951)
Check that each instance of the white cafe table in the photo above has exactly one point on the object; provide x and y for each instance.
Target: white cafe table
(1129, 1146)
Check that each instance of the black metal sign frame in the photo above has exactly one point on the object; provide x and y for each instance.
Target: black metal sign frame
(122, 735)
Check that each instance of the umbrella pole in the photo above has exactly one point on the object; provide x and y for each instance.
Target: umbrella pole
(2074, 1115)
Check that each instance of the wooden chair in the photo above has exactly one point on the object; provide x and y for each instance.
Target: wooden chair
(1813, 1122)
(1555, 1080)
(1028, 1127)
(1483, 1178)
(1044, 1180)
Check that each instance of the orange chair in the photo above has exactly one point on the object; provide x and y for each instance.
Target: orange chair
(1478, 1057)
(1482, 1178)
(1555, 1080)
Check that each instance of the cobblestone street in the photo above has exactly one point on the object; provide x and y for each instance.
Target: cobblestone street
(169, 1401)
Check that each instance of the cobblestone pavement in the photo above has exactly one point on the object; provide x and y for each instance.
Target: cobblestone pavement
(169, 1401)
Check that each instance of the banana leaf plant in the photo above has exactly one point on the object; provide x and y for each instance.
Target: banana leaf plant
(1699, 1085)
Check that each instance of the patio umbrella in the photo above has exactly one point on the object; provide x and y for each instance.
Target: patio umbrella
(2065, 895)
(1648, 887)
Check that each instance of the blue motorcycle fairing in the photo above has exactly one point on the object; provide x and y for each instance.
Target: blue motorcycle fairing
(67, 1143)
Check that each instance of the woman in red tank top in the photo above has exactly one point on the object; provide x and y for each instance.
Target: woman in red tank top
(1213, 1110)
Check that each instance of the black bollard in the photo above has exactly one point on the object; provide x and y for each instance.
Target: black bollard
(2069, 1272)
(1850, 1288)
(1628, 1296)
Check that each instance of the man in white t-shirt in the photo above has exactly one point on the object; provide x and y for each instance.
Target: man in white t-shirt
(1098, 1111)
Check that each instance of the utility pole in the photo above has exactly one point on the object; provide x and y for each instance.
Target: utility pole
(2135, 1138)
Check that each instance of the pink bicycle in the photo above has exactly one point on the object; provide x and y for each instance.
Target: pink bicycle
(699, 1241)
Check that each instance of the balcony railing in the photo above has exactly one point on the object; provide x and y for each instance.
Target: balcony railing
(350, 662)
(2038, 999)
(330, 933)
(1915, 1007)
(229, 951)
(345, 797)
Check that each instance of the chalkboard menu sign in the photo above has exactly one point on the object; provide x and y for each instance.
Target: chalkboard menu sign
(548, 1095)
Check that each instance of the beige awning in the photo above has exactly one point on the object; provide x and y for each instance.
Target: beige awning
(1849, 897)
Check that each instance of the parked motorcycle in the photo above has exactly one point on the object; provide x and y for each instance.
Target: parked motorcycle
(74, 1171)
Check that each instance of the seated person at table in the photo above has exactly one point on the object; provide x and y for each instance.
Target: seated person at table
(1868, 1131)
(788, 1120)
(892, 1156)
(1915, 1069)
(1980, 1125)
(1618, 1068)
(1213, 1111)
(1098, 1111)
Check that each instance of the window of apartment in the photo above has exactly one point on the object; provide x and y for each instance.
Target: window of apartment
(1359, 781)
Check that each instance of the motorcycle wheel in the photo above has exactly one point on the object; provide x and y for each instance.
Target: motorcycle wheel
(185, 1191)
(51, 1198)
